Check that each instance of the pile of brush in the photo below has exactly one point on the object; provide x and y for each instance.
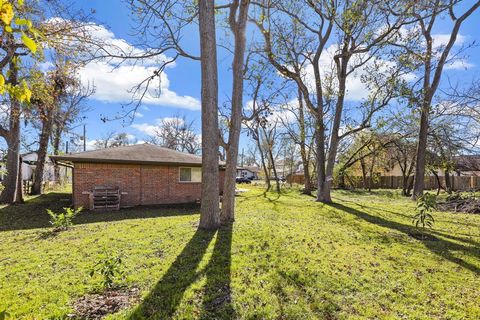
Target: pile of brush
(460, 202)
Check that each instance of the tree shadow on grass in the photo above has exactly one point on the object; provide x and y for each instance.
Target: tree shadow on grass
(162, 302)
(441, 247)
(217, 298)
(32, 214)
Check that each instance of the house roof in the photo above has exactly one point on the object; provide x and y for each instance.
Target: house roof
(252, 169)
(133, 154)
(467, 163)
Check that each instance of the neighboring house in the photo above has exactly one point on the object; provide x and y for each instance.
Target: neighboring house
(285, 168)
(467, 165)
(29, 163)
(145, 174)
(249, 172)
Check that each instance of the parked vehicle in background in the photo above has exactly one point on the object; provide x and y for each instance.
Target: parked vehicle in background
(242, 180)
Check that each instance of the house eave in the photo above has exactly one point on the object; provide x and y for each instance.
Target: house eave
(75, 160)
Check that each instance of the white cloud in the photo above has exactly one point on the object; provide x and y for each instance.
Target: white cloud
(149, 129)
(280, 114)
(441, 39)
(130, 136)
(152, 129)
(356, 89)
(458, 64)
(115, 85)
(90, 145)
(114, 78)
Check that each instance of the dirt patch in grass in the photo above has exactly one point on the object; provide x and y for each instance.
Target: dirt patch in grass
(423, 236)
(97, 306)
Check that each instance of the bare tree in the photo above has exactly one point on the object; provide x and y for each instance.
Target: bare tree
(113, 139)
(403, 153)
(178, 134)
(67, 116)
(362, 28)
(237, 19)
(433, 60)
(301, 132)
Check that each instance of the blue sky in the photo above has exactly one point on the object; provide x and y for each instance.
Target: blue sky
(184, 80)
(181, 93)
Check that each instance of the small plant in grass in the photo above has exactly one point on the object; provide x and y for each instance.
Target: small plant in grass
(4, 314)
(63, 220)
(425, 205)
(110, 268)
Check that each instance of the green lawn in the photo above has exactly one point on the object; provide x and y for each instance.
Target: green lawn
(285, 257)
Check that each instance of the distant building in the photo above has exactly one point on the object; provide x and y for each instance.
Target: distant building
(465, 165)
(29, 163)
(468, 165)
(249, 172)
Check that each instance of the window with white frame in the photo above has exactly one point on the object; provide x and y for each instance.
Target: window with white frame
(193, 174)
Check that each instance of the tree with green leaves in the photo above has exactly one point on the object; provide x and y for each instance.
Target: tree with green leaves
(19, 39)
(50, 91)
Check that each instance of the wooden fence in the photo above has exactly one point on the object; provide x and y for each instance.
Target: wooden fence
(458, 183)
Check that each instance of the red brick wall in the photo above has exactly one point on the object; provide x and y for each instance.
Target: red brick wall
(144, 184)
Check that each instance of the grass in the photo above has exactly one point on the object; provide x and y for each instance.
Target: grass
(285, 257)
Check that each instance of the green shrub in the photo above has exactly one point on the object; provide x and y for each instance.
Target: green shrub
(425, 205)
(63, 220)
(110, 268)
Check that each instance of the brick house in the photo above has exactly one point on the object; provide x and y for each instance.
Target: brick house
(145, 174)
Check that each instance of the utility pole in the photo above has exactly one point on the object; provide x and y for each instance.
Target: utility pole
(242, 159)
(84, 138)
(66, 147)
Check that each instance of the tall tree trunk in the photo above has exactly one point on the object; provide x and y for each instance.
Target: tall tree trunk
(405, 179)
(364, 173)
(56, 137)
(326, 184)
(12, 166)
(209, 212)
(323, 189)
(372, 166)
(303, 150)
(274, 168)
(11, 194)
(238, 29)
(19, 195)
(448, 184)
(419, 180)
(430, 86)
(410, 185)
(439, 183)
(341, 180)
(262, 159)
(47, 124)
